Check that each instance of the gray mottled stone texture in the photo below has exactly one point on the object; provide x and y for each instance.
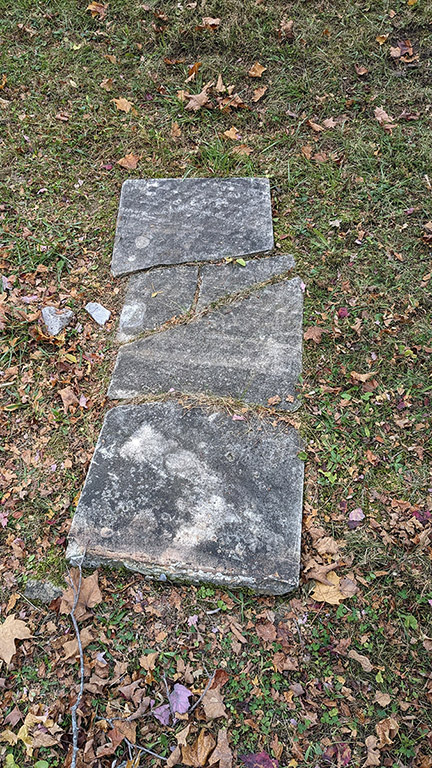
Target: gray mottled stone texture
(172, 221)
(221, 280)
(249, 350)
(100, 314)
(56, 319)
(193, 497)
(154, 297)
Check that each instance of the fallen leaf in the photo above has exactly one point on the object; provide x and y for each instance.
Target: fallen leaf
(361, 70)
(313, 333)
(373, 755)
(174, 758)
(232, 133)
(148, 662)
(307, 151)
(107, 83)
(256, 70)
(259, 93)
(383, 699)
(387, 731)
(362, 660)
(97, 9)
(315, 126)
(329, 593)
(11, 630)
(111, 58)
(274, 400)
(355, 517)
(192, 71)
(176, 131)
(129, 161)
(68, 398)
(197, 754)
(197, 100)
(266, 631)
(213, 704)
(220, 85)
(286, 29)
(63, 116)
(89, 595)
(123, 104)
(242, 149)
(210, 23)
(70, 647)
(385, 121)
(381, 39)
(182, 736)
(259, 760)
(222, 752)
(362, 376)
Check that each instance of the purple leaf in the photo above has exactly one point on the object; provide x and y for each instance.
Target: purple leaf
(339, 754)
(162, 714)
(355, 517)
(180, 699)
(259, 760)
(343, 312)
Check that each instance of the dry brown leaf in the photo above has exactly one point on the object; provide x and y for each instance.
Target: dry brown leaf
(192, 71)
(383, 699)
(213, 704)
(232, 134)
(89, 595)
(174, 758)
(381, 39)
(97, 10)
(315, 126)
(68, 397)
(242, 149)
(210, 23)
(11, 630)
(148, 662)
(220, 85)
(70, 647)
(387, 731)
(197, 100)
(233, 101)
(256, 70)
(197, 754)
(361, 70)
(182, 736)
(362, 660)
(63, 116)
(327, 545)
(313, 333)
(286, 29)
(176, 131)
(373, 755)
(259, 93)
(385, 121)
(129, 161)
(329, 593)
(362, 376)
(107, 83)
(266, 631)
(284, 663)
(222, 752)
(348, 587)
(123, 104)
(307, 151)
(318, 572)
(111, 58)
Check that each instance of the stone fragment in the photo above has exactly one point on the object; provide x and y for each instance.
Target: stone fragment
(56, 319)
(184, 495)
(98, 312)
(154, 297)
(42, 591)
(173, 221)
(250, 350)
(220, 280)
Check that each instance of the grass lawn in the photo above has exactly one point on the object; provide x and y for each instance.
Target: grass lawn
(340, 121)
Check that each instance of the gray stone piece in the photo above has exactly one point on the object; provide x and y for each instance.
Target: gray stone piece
(99, 313)
(249, 350)
(192, 496)
(154, 297)
(220, 280)
(56, 319)
(42, 591)
(173, 221)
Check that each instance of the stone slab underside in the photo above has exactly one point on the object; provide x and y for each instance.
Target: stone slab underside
(172, 221)
(249, 350)
(193, 497)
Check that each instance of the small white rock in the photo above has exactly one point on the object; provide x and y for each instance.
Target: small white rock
(98, 312)
(56, 319)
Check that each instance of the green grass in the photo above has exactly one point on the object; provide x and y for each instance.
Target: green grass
(350, 202)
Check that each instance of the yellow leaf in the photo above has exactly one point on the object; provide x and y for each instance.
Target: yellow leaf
(329, 593)
(381, 39)
(232, 134)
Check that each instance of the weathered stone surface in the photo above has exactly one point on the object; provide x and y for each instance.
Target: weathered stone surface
(193, 497)
(249, 350)
(56, 319)
(221, 280)
(172, 221)
(154, 297)
(100, 314)
(42, 591)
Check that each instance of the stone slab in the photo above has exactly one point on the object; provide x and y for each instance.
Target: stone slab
(250, 350)
(192, 496)
(221, 280)
(154, 297)
(172, 221)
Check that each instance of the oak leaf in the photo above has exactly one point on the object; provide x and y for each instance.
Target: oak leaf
(11, 630)
(210, 23)
(330, 592)
(232, 133)
(198, 100)
(259, 93)
(286, 29)
(387, 731)
(242, 149)
(313, 333)
(123, 104)
(97, 9)
(129, 161)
